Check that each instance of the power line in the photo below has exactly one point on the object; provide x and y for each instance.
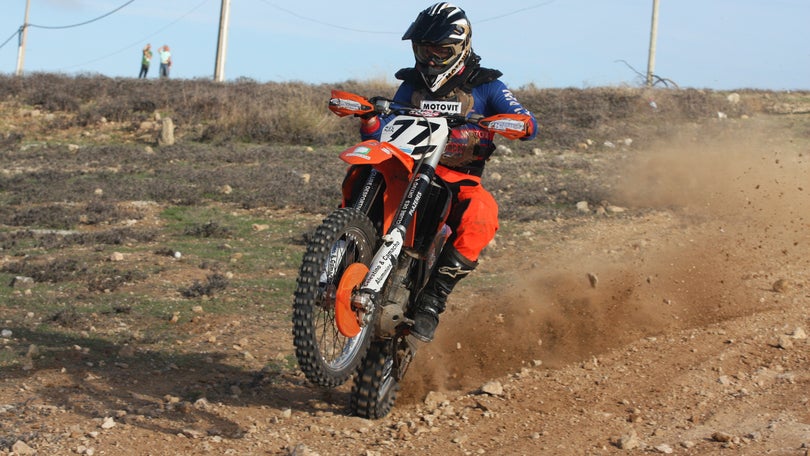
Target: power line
(22, 30)
(81, 23)
(351, 29)
(327, 24)
(17, 32)
(548, 2)
(137, 43)
(273, 5)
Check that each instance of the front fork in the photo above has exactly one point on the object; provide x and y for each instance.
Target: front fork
(368, 296)
(393, 241)
(408, 275)
(386, 259)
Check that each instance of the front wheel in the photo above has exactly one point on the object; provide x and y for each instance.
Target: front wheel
(327, 357)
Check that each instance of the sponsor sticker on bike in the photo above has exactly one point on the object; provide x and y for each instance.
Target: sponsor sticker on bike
(505, 125)
(360, 152)
(346, 104)
(445, 107)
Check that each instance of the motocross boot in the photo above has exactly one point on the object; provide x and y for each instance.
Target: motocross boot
(451, 267)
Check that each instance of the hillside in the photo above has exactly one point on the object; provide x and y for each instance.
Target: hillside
(647, 291)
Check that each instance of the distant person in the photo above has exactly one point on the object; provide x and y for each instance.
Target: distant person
(145, 61)
(165, 61)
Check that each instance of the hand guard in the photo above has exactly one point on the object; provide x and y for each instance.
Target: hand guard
(510, 126)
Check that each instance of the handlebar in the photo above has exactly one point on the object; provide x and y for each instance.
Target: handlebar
(511, 126)
(386, 106)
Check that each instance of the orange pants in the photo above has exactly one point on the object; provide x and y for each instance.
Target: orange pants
(473, 215)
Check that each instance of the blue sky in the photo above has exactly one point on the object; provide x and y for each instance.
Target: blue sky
(715, 44)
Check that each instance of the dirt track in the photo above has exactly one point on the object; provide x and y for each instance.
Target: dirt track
(677, 326)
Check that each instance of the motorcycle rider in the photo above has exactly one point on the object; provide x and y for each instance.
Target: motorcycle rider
(448, 71)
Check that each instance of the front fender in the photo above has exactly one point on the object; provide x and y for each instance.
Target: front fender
(373, 152)
(395, 165)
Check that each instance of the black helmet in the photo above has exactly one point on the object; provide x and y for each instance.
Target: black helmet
(440, 36)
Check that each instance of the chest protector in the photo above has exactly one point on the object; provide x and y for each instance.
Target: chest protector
(468, 147)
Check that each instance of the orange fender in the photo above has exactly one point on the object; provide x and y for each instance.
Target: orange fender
(396, 167)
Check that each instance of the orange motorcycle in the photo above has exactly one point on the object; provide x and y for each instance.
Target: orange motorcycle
(368, 261)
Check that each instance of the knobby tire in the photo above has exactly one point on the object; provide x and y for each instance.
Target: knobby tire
(376, 387)
(325, 356)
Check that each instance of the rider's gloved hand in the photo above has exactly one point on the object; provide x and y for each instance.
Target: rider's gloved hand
(369, 124)
(464, 145)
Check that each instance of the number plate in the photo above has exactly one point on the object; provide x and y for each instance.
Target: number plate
(416, 136)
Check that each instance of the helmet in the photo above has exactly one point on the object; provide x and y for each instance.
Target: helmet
(440, 36)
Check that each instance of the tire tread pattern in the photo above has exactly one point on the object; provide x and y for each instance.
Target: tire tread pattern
(366, 401)
(305, 339)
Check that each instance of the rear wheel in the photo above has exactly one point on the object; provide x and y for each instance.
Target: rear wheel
(327, 357)
(376, 387)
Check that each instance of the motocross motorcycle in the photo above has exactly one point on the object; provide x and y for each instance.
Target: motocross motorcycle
(368, 261)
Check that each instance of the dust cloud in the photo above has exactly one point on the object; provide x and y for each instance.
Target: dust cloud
(717, 222)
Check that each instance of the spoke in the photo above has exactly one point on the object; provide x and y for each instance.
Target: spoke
(348, 257)
(349, 237)
(325, 329)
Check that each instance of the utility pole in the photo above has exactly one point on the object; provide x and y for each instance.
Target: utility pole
(222, 41)
(22, 37)
(653, 37)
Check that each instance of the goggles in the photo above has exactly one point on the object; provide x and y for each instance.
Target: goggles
(435, 54)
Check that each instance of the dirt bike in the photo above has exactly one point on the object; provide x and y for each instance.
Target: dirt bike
(368, 261)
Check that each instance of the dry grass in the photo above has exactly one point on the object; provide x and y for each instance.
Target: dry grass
(294, 113)
(253, 139)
